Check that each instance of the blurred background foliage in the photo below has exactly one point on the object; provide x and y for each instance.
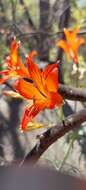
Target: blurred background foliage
(38, 24)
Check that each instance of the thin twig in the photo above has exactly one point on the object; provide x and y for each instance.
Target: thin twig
(50, 34)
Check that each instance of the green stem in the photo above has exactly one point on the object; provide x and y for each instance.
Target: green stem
(77, 84)
(61, 114)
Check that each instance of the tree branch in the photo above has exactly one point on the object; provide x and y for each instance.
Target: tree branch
(50, 34)
(72, 93)
(51, 135)
(27, 15)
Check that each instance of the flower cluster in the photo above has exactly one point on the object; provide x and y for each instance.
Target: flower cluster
(32, 83)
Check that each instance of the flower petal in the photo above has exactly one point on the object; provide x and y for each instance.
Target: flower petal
(21, 69)
(79, 42)
(35, 72)
(29, 114)
(63, 45)
(55, 99)
(14, 62)
(59, 99)
(71, 35)
(27, 90)
(50, 77)
(7, 74)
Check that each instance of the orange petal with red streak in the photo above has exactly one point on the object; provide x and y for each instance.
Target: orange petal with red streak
(27, 89)
(35, 72)
(29, 114)
(14, 60)
(50, 77)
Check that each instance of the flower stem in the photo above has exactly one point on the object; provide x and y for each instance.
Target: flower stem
(77, 84)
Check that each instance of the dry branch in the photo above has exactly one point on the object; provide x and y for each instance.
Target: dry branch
(51, 135)
(27, 14)
(72, 93)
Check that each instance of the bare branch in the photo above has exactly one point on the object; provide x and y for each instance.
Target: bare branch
(72, 93)
(27, 14)
(51, 135)
(37, 33)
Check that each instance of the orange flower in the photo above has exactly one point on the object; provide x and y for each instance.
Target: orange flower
(71, 44)
(15, 67)
(42, 89)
